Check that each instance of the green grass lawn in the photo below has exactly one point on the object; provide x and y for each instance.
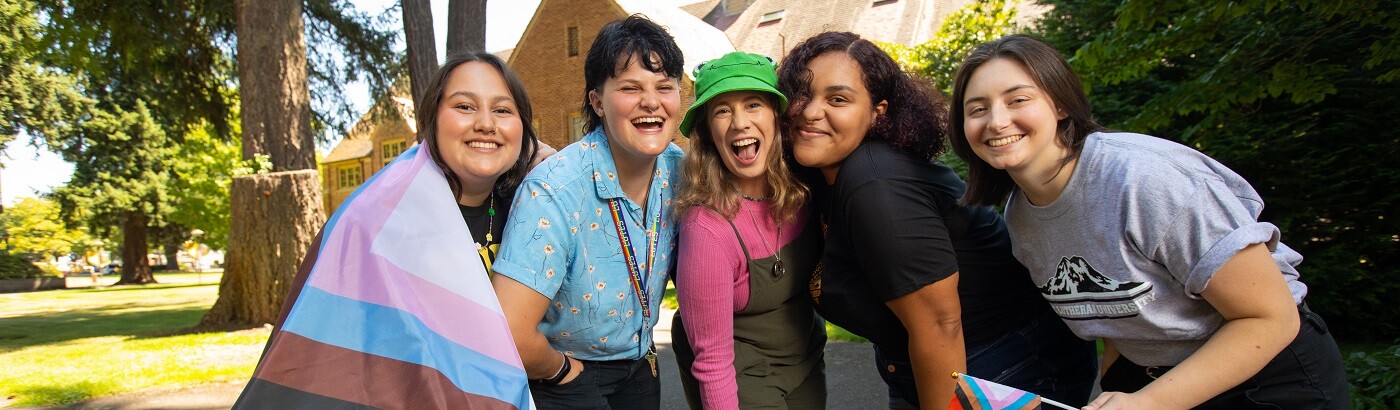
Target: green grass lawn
(64, 346)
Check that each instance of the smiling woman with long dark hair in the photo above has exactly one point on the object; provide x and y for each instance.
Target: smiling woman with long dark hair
(930, 282)
(1147, 244)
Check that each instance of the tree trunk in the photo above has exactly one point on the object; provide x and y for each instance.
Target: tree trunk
(466, 26)
(275, 218)
(422, 48)
(276, 109)
(136, 269)
(172, 257)
(274, 215)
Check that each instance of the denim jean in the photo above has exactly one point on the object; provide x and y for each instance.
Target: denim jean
(607, 385)
(1308, 374)
(1043, 357)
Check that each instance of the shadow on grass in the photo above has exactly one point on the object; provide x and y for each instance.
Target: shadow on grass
(198, 328)
(24, 331)
(56, 393)
(120, 288)
(148, 286)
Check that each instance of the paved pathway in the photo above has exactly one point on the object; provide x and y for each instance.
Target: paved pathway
(851, 383)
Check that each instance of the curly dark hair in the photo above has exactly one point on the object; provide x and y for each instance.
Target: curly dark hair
(916, 115)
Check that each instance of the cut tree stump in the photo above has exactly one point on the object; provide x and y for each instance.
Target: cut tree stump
(275, 218)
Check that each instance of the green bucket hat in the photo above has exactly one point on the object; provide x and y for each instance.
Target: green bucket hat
(736, 71)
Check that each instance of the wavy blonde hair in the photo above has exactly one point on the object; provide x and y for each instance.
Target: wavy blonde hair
(708, 183)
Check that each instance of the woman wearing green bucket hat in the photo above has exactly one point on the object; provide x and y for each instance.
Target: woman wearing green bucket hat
(746, 335)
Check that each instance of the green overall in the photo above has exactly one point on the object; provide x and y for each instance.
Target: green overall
(778, 338)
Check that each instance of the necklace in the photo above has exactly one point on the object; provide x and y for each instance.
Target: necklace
(759, 199)
(490, 217)
(487, 254)
(777, 252)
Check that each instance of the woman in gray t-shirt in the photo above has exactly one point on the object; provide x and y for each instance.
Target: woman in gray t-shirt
(1147, 244)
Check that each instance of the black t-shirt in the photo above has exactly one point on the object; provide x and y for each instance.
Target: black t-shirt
(895, 226)
(479, 221)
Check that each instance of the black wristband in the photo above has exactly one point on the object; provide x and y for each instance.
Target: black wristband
(559, 377)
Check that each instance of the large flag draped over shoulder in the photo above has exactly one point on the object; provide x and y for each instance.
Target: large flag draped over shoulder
(392, 309)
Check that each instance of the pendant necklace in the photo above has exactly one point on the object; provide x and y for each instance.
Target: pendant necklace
(488, 255)
(490, 218)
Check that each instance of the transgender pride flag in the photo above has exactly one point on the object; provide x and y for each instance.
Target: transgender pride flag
(392, 309)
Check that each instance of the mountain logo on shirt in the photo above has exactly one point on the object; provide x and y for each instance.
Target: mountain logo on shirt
(1079, 292)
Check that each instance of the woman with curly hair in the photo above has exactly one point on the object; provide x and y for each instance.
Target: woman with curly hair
(930, 282)
(745, 335)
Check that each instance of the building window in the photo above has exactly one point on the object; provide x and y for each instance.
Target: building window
(576, 125)
(732, 7)
(771, 17)
(391, 149)
(348, 177)
(573, 41)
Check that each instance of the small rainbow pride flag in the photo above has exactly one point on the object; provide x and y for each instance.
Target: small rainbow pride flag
(976, 394)
(392, 309)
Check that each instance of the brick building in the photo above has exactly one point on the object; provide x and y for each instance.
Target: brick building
(382, 134)
(549, 59)
(774, 27)
(549, 56)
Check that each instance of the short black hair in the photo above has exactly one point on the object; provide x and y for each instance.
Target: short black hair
(633, 36)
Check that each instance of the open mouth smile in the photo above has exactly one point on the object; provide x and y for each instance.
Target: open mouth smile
(1005, 140)
(650, 124)
(746, 150)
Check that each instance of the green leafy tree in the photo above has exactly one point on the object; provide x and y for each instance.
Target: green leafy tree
(937, 60)
(145, 74)
(204, 169)
(33, 98)
(1295, 96)
(122, 183)
(33, 226)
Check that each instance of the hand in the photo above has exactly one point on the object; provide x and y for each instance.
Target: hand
(1118, 400)
(575, 369)
(542, 151)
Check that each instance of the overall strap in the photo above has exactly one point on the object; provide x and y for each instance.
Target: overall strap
(742, 246)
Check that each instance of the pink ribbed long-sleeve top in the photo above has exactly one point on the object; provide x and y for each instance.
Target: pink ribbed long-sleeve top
(710, 262)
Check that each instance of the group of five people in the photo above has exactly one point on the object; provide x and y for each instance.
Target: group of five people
(810, 194)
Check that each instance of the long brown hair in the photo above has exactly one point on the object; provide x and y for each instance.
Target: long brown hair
(708, 183)
(987, 185)
(427, 114)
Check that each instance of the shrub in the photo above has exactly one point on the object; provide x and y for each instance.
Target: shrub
(1375, 379)
(16, 267)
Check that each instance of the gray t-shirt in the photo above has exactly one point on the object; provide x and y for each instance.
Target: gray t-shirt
(1126, 250)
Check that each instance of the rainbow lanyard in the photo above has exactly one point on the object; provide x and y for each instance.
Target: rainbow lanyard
(639, 283)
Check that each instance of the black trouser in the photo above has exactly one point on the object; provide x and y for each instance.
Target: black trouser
(1308, 374)
(615, 384)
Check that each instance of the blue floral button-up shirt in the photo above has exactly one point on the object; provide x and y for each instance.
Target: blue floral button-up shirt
(561, 241)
